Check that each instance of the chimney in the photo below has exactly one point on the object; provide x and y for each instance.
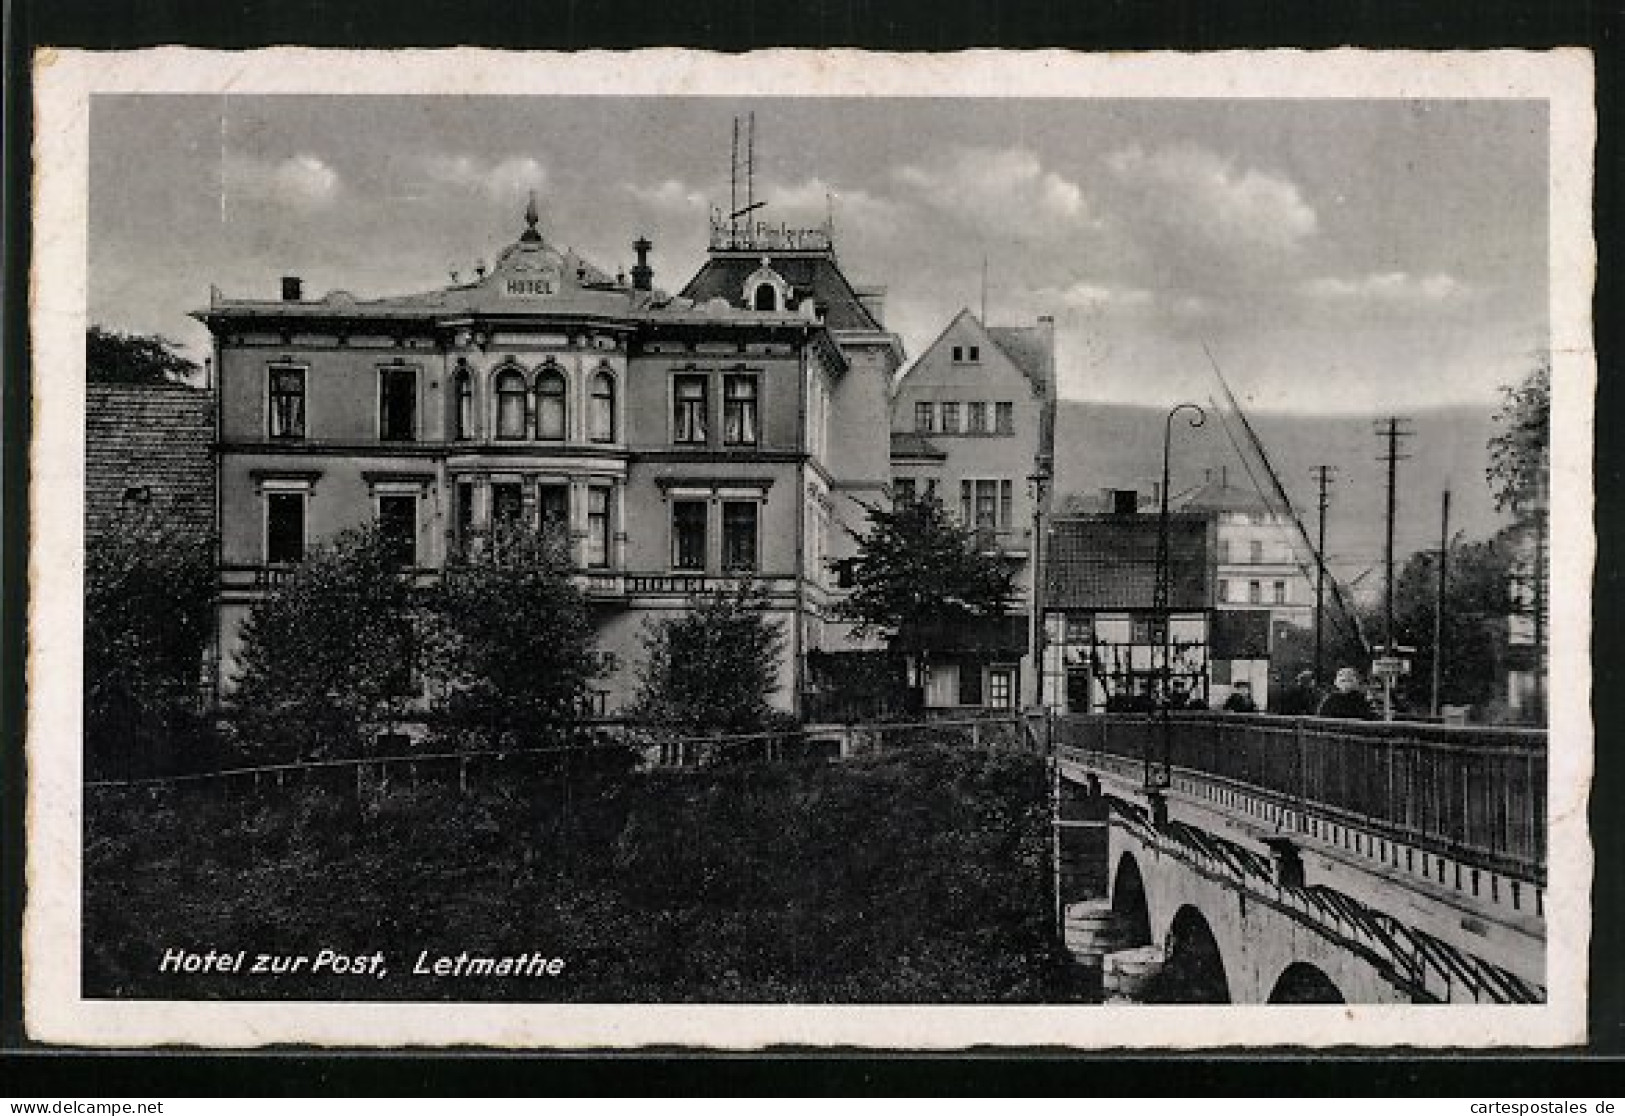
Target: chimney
(1224, 476)
(642, 275)
(1207, 475)
(292, 288)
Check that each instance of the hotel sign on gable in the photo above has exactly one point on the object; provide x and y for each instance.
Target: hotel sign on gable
(528, 287)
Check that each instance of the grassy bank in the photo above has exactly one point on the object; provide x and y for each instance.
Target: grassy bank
(915, 877)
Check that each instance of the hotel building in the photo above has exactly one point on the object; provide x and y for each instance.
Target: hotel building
(681, 442)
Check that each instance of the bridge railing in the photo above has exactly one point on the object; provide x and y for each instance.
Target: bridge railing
(1461, 791)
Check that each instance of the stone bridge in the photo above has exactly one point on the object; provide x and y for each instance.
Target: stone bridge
(1226, 859)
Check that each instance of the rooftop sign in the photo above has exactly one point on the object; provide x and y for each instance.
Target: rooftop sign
(766, 236)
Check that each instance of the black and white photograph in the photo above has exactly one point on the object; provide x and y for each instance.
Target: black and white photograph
(992, 548)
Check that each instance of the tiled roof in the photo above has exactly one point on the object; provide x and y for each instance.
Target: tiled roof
(1110, 562)
(148, 447)
(1219, 496)
(1030, 347)
(906, 443)
(723, 276)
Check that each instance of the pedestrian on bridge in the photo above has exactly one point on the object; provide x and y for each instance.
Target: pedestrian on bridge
(1241, 699)
(1302, 698)
(1348, 700)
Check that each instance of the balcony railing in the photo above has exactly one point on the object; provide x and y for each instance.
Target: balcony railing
(595, 583)
(1467, 792)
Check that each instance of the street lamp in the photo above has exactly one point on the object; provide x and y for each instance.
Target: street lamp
(1038, 487)
(1159, 779)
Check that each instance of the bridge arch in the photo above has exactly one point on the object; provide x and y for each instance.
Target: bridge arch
(1130, 907)
(1194, 972)
(1303, 983)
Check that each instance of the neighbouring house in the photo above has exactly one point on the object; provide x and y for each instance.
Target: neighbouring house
(147, 454)
(972, 425)
(1265, 598)
(1105, 640)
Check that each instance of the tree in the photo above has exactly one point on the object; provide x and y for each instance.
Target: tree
(515, 643)
(1520, 453)
(112, 357)
(1473, 624)
(331, 654)
(1519, 475)
(714, 668)
(917, 572)
(148, 607)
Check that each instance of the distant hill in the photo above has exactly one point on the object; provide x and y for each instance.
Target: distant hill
(1120, 446)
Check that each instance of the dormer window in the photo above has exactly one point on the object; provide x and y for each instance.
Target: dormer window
(766, 291)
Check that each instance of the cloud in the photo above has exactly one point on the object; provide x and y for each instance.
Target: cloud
(810, 201)
(1210, 199)
(1391, 287)
(502, 181)
(998, 187)
(1093, 297)
(300, 181)
(670, 196)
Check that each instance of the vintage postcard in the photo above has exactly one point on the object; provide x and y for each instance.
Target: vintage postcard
(810, 549)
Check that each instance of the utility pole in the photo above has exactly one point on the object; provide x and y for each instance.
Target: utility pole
(1323, 475)
(1438, 601)
(1393, 457)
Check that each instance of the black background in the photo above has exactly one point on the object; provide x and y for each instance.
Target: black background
(941, 25)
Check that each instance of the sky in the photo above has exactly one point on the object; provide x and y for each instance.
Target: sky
(1332, 256)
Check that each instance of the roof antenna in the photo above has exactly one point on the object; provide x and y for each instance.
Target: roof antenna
(735, 210)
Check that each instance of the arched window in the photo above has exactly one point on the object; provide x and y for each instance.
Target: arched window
(550, 407)
(767, 297)
(603, 406)
(510, 404)
(464, 386)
